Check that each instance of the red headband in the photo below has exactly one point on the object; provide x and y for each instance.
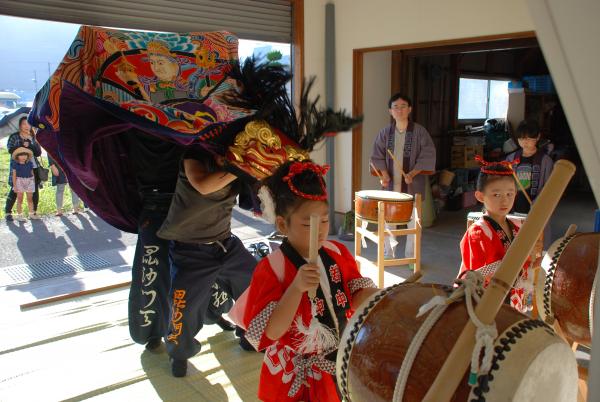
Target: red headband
(299, 167)
(508, 165)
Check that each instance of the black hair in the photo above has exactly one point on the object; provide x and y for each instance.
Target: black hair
(528, 129)
(498, 172)
(286, 202)
(397, 96)
(21, 120)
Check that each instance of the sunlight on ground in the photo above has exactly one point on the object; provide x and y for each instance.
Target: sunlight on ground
(81, 349)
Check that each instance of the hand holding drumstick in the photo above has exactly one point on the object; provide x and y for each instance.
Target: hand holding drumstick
(408, 177)
(384, 177)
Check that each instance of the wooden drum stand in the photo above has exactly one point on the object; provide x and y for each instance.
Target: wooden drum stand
(378, 238)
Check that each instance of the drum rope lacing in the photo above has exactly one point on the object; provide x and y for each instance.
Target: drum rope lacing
(360, 319)
(549, 314)
(471, 287)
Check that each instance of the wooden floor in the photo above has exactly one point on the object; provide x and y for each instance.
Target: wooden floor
(81, 350)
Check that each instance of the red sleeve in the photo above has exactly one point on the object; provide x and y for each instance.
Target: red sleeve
(265, 291)
(472, 249)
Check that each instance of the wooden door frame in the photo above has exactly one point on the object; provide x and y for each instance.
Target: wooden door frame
(479, 43)
(297, 48)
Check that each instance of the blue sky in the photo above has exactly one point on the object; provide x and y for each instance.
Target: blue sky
(29, 48)
(26, 49)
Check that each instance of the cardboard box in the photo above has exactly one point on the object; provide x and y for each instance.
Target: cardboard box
(464, 156)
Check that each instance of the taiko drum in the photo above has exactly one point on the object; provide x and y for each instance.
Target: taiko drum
(398, 206)
(571, 266)
(530, 362)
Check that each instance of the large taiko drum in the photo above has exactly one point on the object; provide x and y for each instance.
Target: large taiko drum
(398, 206)
(570, 267)
(530, 362)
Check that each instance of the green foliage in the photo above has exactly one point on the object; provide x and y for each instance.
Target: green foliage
(273, 56)
(47, 204)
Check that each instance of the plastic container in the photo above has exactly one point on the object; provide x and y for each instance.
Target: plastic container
(539, 83)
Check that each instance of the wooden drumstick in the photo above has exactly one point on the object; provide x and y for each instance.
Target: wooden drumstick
(375, 169)
(459, 358)
(424, 172)
(313, 247)
(396, 161)
(521, 185)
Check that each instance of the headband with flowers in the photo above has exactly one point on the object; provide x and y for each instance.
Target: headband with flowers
(299, 167)
(506, 165)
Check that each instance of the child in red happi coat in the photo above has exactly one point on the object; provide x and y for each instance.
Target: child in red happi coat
(486, 241)
(279, 314)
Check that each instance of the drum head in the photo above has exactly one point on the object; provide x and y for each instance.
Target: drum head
(537, 367)
(384, 195)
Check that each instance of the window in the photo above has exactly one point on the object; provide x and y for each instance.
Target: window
(480, 99)
(272, 52)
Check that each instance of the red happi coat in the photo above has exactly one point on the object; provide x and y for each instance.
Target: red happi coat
(286, 375)
(483, 248)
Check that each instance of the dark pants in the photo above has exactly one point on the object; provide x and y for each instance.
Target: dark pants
(194, 269)
(150, 276)
(11, 198)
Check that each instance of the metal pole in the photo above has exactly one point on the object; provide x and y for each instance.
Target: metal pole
(329, 103)
(35, 81)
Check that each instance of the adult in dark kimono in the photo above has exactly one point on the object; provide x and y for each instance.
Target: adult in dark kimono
(412, 147)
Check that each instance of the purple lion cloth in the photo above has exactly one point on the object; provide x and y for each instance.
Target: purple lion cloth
(164, 84)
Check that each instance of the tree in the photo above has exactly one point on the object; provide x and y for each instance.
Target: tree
(273, 57)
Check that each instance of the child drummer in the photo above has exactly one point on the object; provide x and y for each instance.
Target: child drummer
(279, 316)
(486, 241)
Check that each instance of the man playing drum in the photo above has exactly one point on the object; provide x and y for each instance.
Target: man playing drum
(402, 151)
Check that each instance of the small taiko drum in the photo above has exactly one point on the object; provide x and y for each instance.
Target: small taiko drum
(530, 362)
(570, 267)
(398, 206)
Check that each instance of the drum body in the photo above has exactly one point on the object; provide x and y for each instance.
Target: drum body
(398, 206)
(571, 266)
(531, 363)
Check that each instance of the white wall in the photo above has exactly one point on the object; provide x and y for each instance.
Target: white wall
(363, 24)
(568, 33)
(314, 57)
(377, 71)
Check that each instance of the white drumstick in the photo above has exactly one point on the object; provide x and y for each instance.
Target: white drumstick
(313, 250)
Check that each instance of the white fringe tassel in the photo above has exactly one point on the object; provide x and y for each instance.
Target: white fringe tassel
(267, 205)
(317, 337)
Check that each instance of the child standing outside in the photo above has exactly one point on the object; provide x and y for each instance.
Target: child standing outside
(486, 241)
(59, 179)
(279, 314)
(23, 180)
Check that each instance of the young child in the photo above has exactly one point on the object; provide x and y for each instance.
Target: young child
(485, 243)
(533, 170)
(23, 180)
(534, 165)
(59, 179)
(278, 311)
